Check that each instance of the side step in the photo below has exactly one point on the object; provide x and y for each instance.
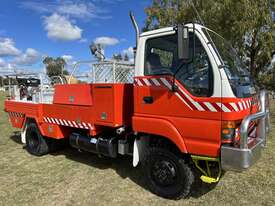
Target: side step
(207, 176)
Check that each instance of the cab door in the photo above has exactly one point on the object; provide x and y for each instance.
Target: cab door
(181, 94)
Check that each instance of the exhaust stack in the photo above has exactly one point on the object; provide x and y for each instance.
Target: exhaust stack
(134, 22)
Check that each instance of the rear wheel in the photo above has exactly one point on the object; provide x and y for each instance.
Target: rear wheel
(35, 143)
(167, 174)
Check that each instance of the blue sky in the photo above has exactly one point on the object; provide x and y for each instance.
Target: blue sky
(32, 29)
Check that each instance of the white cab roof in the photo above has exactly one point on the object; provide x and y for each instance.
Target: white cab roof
(167, 29)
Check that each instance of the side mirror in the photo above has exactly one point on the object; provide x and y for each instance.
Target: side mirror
(183, 42)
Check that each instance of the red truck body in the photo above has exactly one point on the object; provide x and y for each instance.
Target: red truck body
(78, 106)
(95, 107)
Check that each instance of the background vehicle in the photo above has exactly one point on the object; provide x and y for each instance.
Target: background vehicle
(181, 110)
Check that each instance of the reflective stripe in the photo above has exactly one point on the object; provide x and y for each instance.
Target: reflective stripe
(146, 81)
(234, 106)
(190, 102)
(210, 107)
(166, 83)
(156, 82)
(68, 123)
(177, 94)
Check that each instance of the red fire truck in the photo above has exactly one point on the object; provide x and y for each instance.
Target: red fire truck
(187, 105)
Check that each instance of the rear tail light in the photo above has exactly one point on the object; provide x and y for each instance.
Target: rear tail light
(228, 132)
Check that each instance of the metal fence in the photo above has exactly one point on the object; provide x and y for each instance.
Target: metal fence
(107, 71)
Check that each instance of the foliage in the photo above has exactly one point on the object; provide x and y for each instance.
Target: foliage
(246, 24)
(268, 79)
(117, 57)
(126, 57)
(55, 66)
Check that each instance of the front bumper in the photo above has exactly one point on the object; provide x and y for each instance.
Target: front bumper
(243, 157)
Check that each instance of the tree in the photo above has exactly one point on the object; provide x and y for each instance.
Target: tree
(126, 57)
(246, 24)
(55, 67)
(117, 57)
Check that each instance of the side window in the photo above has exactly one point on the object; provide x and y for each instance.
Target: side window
(166, 57)
(159, 55)
(197, 75)
(161, 59)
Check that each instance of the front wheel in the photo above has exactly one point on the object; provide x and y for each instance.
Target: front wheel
(167, 174)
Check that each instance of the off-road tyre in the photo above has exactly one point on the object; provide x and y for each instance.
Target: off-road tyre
(36, 144)
(166, 174)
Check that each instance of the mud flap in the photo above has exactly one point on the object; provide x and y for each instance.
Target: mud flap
(23, 134)
(140, 146)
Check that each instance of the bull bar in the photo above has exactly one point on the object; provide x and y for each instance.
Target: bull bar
(244, 156)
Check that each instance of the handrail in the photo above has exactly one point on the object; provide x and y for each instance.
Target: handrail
(246, 121)
(75, 66)
(96, 63)
(57, 77)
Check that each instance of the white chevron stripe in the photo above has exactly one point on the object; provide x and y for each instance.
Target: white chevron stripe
(177, 94)
(70, 123)
(240, 105)
(146, 81)
(250, 103)
(139, 83)
(61, 122)
(66, 123)
(49, 120)
(244, 105)
(166, 83)
(223, 107)
(52, 119)
(234, 106)
(74, 123)
(85, 125)
(196, 104)
(156, 82)
(91, 127)
(210, 106)
(247, 103)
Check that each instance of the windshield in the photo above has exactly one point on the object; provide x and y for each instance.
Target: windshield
(240, 79)
(233, 65)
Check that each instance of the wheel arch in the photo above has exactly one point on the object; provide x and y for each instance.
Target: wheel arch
(151, 129)
(160, 127)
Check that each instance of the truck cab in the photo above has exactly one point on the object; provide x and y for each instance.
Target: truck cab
(207, 104)
(189, 106)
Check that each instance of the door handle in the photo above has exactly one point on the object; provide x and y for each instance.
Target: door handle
(148, 100)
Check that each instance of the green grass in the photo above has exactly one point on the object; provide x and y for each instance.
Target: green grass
(72, 178)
